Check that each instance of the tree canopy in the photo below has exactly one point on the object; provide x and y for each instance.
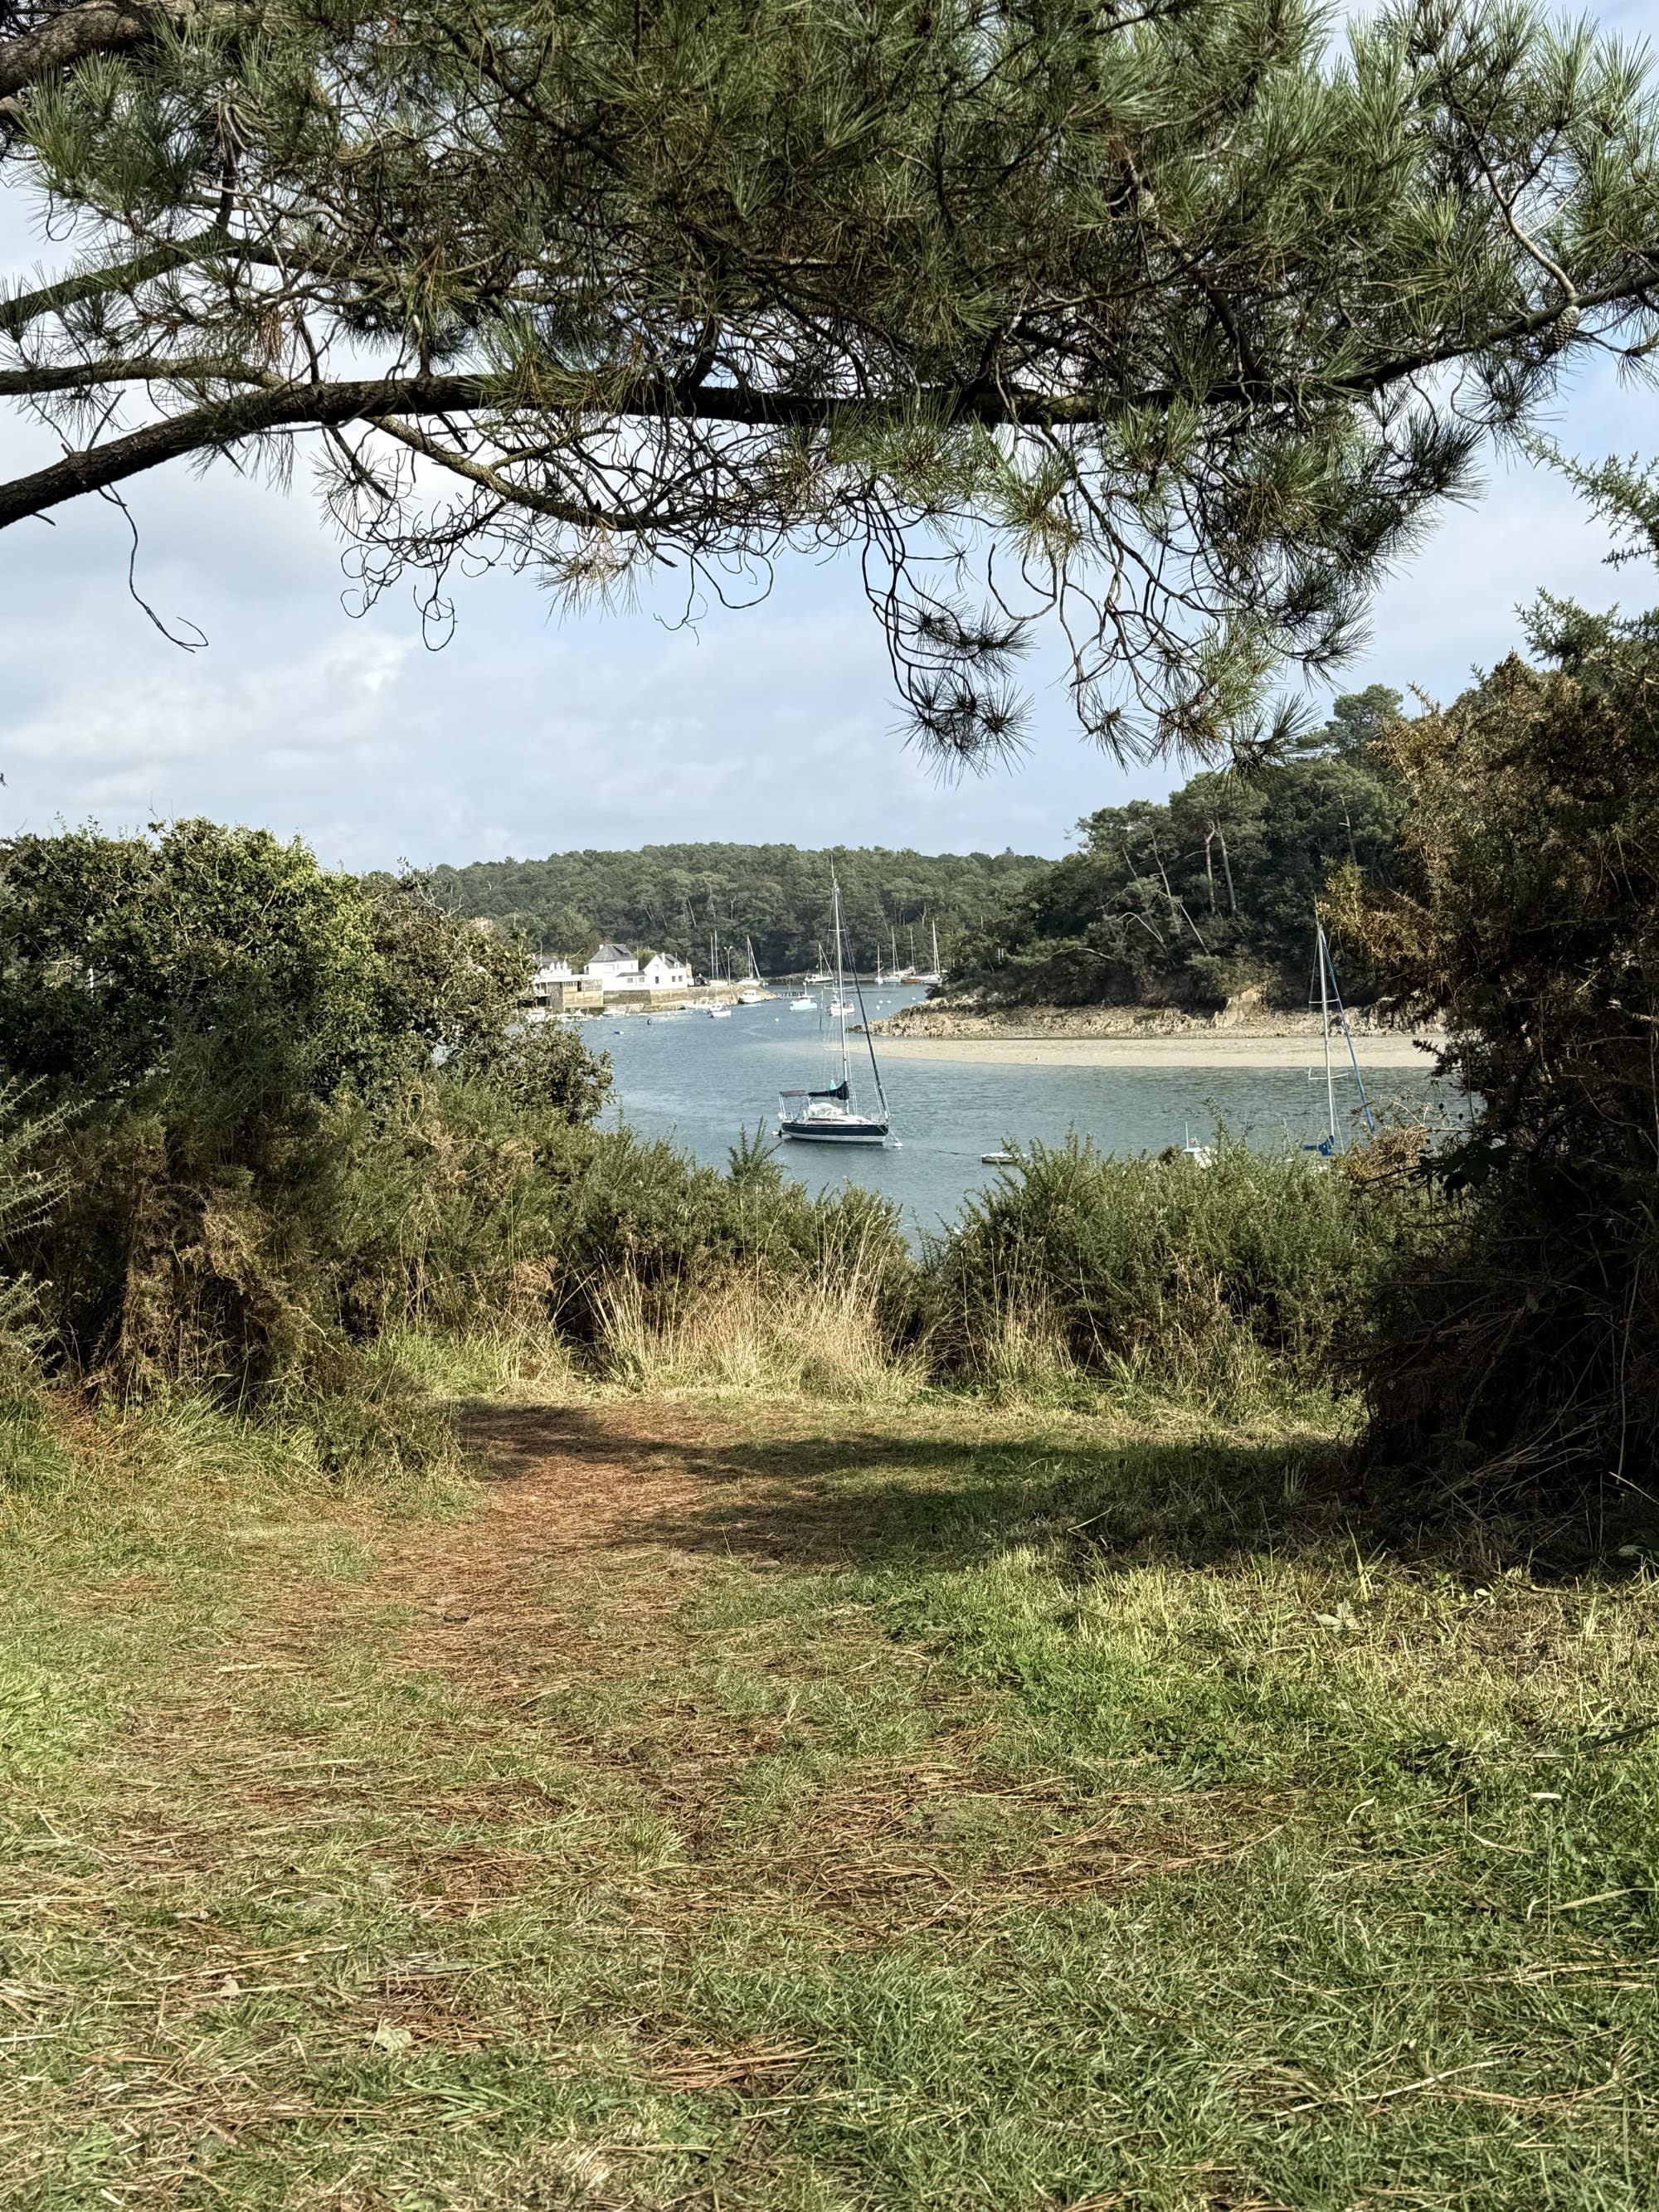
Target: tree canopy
(1173, 318)
(1208, 893)
(695, 900)
(232, 956)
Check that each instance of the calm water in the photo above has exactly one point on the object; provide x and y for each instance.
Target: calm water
(698, 1081)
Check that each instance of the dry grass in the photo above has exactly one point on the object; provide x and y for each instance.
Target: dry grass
(820, 1334)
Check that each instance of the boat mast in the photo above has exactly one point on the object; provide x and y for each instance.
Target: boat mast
(1323, 956)
(1347, 1038)
(841, 989)
(936, 968)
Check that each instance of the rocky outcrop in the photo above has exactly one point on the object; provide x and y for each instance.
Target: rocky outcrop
(1246, 1014)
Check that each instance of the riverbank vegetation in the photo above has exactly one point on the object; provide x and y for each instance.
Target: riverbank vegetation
(1209, 895)
(686, 899)
(271, 1124)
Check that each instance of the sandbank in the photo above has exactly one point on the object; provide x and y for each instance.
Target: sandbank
(1216, 1051)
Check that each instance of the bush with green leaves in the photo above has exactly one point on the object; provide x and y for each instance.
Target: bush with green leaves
(1227, 1280)
(1515, 1341)
(233, 963)
(235, 1039)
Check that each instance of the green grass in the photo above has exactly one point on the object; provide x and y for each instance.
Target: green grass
(751, 1803)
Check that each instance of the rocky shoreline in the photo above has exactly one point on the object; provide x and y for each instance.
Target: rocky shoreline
(1247, 1016)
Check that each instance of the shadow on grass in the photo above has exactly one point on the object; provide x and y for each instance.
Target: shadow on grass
(870, 1496)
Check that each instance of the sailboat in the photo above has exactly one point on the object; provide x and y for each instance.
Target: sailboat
(932, 974)
(1330, 1000)
(833, 1115)
(752, 994)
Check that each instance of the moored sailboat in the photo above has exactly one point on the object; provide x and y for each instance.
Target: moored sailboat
(929, 975)
(834, 1115)
(752, 994)
(1329, 1001)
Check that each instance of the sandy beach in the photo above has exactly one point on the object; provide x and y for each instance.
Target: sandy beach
(1234, 1050)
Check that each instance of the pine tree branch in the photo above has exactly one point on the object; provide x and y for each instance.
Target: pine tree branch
(68, 36)
(23, 308)
(142, 368)
(567, 397)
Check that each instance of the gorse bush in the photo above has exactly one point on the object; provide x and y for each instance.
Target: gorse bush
(1224, 1280)
(28, 1193)
(1517, 1340)
(233, 963)
(244, 1054)
(470, 1203)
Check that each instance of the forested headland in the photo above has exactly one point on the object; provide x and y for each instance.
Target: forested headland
(680, 898)
(1181, 903)
(1209, 894)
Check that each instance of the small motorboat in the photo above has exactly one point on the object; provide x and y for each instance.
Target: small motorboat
(804, 1005)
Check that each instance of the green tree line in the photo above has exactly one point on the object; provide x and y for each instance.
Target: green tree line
(1205, 895)
(694, 900)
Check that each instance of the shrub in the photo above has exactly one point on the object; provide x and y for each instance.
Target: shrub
(1215, 1280)
(247, 1055)
(1517, 1338)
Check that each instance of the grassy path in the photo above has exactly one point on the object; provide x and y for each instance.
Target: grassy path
(782, 1805)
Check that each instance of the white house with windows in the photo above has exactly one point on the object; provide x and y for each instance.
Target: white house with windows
(619, 970)
(556, 987)
(662, 972)
(614, 966)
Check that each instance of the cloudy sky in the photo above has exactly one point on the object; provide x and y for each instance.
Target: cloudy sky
(530, 733)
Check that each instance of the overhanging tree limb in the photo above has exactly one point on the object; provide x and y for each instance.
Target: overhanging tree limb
(565, 395)
(1190, 321)
(67, 35)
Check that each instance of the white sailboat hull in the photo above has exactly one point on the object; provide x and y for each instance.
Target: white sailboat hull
(825, 1132)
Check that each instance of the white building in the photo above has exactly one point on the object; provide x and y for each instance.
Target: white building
(555, 988)
(619, 970)
(615, 967)
(548, 980)
(662, 972)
